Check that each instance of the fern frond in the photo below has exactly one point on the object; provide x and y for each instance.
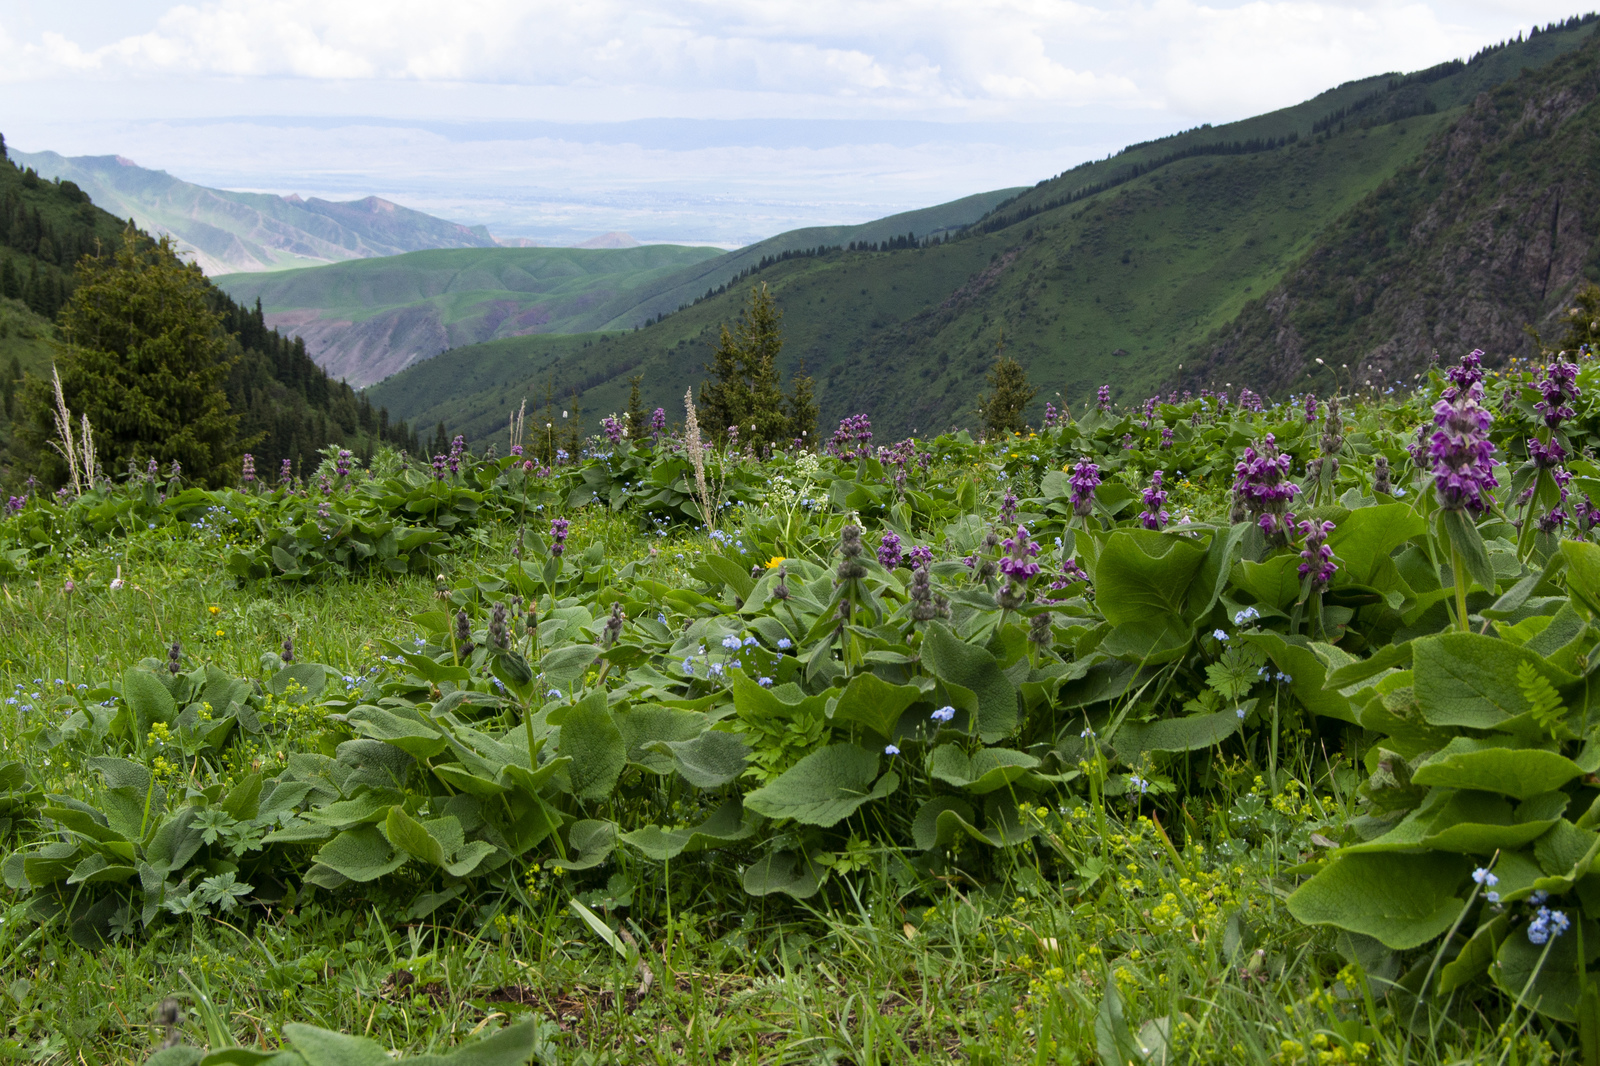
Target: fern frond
(1543, 701)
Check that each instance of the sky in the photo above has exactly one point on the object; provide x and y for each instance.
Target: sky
(689, 120)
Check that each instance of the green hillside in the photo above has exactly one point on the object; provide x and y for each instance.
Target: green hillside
(1491, 230)
(286, 404)
(1110, 273)
(369, 318)
(227, 231)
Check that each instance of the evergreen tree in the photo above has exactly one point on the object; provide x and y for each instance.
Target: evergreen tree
(144, 357)
(441, 441)
(801, 406)
(638, 421)
(745, 390)
(1002, 409)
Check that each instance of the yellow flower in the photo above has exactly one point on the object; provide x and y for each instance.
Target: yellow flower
(776, 561)
(214, 609)
(219, 633)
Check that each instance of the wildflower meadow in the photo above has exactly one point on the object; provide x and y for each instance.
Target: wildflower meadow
(1203, 730)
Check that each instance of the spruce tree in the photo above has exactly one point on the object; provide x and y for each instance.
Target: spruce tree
(144, 356)
(801, 406)
(638, 421)
(441, 441)
(745, 390)
(1001, 410)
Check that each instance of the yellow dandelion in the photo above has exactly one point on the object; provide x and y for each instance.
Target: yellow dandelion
(776, 561)
(214, 609)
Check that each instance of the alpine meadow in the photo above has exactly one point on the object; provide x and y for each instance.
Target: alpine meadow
(1147, 617)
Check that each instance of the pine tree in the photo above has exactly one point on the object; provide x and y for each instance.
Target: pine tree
(745, 389)
(145, 358)
(441, 441)
(638, 421)
(1002, 409)
(801, 406)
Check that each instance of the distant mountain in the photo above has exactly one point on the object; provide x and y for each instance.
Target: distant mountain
(1122, 270)
(286, 405)
(370, 318)
(232, 232)
(609, 240)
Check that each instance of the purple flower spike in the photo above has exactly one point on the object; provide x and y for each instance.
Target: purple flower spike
(1154, 515)
(1311, 408)
(1459, 449)
(1084, 480)
(558, 536)
(1317, 556)
(1263, 484)
(1103, 397)
(1560, 387)
(889, 550)
(1017, 564)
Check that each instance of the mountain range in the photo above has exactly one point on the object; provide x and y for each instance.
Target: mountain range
(231, 232)
(1382, 217)
(367, 319)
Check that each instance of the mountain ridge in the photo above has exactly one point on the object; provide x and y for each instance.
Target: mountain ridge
(231, 232)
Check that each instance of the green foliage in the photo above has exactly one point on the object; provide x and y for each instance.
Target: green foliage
(143, 357)
(1002, 409)
(744, 394)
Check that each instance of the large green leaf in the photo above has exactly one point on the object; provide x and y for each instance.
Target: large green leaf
(825, 787)
(592, 740)
(1548, 977)
(991, 695)
(1297, 658)
(875, 703)
(988, 770)
(1368, 534)
(785, 871)
(1191, 733)
(1274, 583)
(728, 824)
(361, 854)
(147, 698)
(1491, 767)
(561, 667)
(710, 760)
(932, 829)
(1402, 900)
(1470, 680)
(1141, 575)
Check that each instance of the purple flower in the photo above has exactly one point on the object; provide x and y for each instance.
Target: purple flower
(1544, 456)
(920, 557)
(1552, 520)
(1249, 401)
(1166, 437)
(342, 464)
(1559, 388)
(1103, 396)
(440, 465)
(558, 536)
(249, 471)
(1311, 407)
(658, 421)
(15, 504)
(1262, 483)
(1459, 449)
(889, 550)
(1155, 500)
(1084, 480)
(1127, 442)
(613, 429)
(1049, 415)
(458, 448)
(286, 472)
(1017, 564)
(1317, 557)
(1585, 515)
(1008, 509)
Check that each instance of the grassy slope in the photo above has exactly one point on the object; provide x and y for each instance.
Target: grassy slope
(1488, 231)
(231, 231)
(456, 279)
(868, 324)
(1148, 268)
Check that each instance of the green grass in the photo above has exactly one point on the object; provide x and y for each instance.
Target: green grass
(872, 972)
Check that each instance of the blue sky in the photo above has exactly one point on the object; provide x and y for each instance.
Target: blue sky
(679, 119)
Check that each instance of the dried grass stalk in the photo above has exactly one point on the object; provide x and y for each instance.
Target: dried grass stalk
(67, 446)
